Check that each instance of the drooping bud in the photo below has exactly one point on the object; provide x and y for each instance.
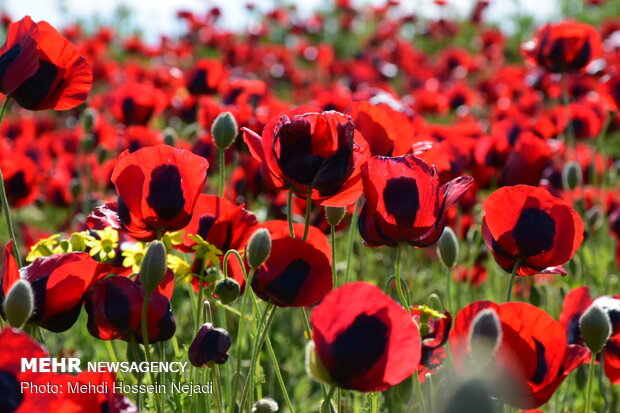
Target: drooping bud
(224, 130)
(265, 405)
(595, 328)
(594, 217)
(153, 266)
(448, 248)
(485, 337)
(334, 215)
(314, 365)
(19, 303)
(259, 248)
(571, 176)
(209, 346)
(227, 290)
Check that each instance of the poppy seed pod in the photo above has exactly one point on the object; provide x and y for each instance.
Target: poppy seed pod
(153, 266)
(265, 405)
(595, 328)
(19, 303)
(227, 290)
(209, 346)
(334, 215)
(448, 247)
(259, 248)
(224, 130)
(571, 176)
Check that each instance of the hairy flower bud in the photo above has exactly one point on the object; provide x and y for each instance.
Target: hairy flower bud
(19, 303)
(571, 176)
(448, 247)
(259, 248)
(153, 266)
(485, 337)
(314, 365)
(265, 405)
(595, 328)
(224, 130)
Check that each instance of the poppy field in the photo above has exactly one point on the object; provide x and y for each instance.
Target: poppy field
(358, 210)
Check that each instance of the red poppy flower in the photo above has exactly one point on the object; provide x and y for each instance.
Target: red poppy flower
(529, 224)
(15, 345)
(58, 284)
(529, 357)
(364, 339)
(387, 131)
(157, 189)
(91, 402)
(209, 346)
(297, 273)
(405, 202)
(20, 179)
(137, 103)
(206, 77)
(527, 160)
(221, 223)
(575, 304)
(305, 149)
(433, 351)
(114, 307)
(41, 69)
(564, 47)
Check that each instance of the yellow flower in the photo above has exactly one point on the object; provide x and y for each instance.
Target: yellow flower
(205, 250)
(43, 248)
(428, 311)
(170, 239)
(105, 246)
(180, 267)
(80, 241)
(134, 256)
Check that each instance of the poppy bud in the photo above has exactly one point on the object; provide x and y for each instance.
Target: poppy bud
(448, 247)
(227, 290)
(153, 266)
(485, 337)
(18, 304)
(265, 405)
(224, 130)
(210, 346)
(89, 142)
(595, 328)
(314, 366)
(259, 248)
(89, 118)
(571, 176)
(170, 136)
(334, 215)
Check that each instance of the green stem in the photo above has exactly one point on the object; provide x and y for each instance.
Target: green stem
(145, 341)
(569, 133)
(420, 393)
(332, 237)
(351, 236)
(512, 279)
(449, 288)
(308, 213)
(399, 288)
(217, 389)
(268, 316)
(601, 390)
(588, 407)
(328, 398)
(289, 213)
(221, 164)
(240, 332)
(5, 201)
